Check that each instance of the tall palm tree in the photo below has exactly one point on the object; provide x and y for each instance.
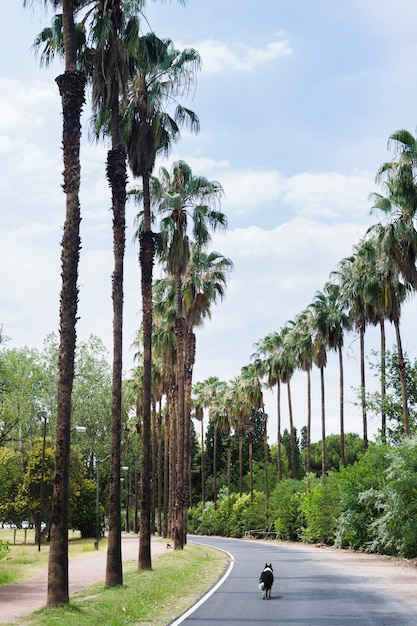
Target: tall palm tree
(71, 86)
(352, 277)
(204, 283)
(204, 394)
(268, 361)
(398, 238)
(111, 65)
(388, 293)
(320, 341)
(302, 333)
(337, 323)
(161, 74)
(182, 196)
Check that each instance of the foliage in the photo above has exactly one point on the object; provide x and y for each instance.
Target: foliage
(395, 528)
(285, 509)
(83, 510)
(320, 509)
(392, 403)
(10, 478)
(353, 449)
(4, 549)
(358, 485)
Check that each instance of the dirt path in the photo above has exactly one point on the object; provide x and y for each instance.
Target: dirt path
(84, 570)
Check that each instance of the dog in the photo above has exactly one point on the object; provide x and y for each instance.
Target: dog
(266, 580)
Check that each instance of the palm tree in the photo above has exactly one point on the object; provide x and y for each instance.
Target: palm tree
(204, 394)
(287, 367)
(352, 274)
(398, 239)
(71, 86)
(337, 323)
(268, 361)
(161, 73)
(181, 195)
(204, 283)
(320, 341)
(111, 66)
(303, 351)
(388, 293)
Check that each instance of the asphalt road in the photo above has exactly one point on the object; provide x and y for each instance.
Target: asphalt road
(305, 592)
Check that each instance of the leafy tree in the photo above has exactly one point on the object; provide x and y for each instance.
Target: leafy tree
(353, 450)
(286, 509)
(39, 476)
(391, 402)
(395, 528)
(320, 510)
(10, 478)
(23, 382)
(358, 486)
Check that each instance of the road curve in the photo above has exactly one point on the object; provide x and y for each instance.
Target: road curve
(306, 592)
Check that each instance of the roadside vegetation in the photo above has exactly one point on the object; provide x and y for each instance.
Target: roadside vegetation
(154, 596)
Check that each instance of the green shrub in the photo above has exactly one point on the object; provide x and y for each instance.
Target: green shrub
(4, 548)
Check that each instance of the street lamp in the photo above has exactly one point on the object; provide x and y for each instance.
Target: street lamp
(98, 461)
(125, 468)
(45, 416)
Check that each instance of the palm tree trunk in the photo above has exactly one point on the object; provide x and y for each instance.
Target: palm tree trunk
(341, 408)
(250, 466)
(292, 434)
(240, 461)
(383, 382)
(308, 448)
(215, 465)
(363, 397)
(203, 477)
(72, 88)
(279, 459)
(323, 424)
(403, 378)
(116, 174)
(146, 257)
(180, 496)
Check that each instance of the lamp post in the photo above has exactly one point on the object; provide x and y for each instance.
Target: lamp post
(98, 461)
(125, 468)
(45, 416)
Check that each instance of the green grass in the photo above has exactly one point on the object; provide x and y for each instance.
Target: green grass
(24, 561)
(152, 597)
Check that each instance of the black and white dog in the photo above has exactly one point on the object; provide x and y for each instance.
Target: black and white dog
(266, 580)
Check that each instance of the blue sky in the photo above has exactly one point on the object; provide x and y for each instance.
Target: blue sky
(296, 101)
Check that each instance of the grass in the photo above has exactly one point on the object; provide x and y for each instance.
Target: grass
(151, 598)
(24, 561)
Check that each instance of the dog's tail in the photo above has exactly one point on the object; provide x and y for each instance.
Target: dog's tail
(261, 586)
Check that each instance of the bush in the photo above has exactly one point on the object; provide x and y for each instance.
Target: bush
(4, 548)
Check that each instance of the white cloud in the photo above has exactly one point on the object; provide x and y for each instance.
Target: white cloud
(220, 58)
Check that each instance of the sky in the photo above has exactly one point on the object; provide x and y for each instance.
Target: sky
(296, 101)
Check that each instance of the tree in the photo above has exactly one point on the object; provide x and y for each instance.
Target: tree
(161, 73)
(320, 326)
(302, 332)
(268, 360)
(338, 322)
(182, 196)
(204, 394)
(71, 85)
